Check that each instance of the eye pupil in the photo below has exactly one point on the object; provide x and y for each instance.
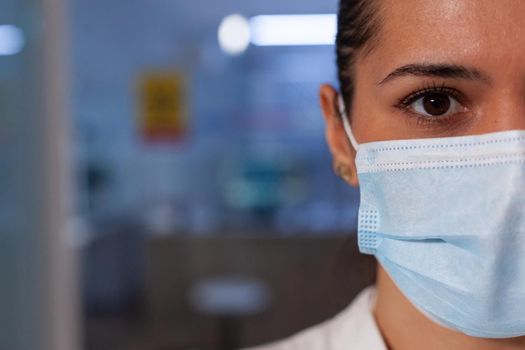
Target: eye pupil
(436, 103)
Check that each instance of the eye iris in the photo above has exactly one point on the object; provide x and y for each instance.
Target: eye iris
(436, 104)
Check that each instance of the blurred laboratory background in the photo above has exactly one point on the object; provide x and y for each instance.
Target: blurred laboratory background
(165, 181)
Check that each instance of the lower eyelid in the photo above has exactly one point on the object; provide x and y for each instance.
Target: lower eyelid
(439, 125)
(450, 124)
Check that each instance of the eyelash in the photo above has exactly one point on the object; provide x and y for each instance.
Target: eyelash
(405, 103)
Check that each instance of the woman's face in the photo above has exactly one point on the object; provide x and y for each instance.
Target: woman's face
(437, 68)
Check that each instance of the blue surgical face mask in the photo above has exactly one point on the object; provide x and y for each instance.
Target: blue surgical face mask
(445, 217)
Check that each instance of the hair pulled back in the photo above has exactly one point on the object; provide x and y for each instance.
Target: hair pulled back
(357, 26)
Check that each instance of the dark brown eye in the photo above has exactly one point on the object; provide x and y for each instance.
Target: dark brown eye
(436, 104)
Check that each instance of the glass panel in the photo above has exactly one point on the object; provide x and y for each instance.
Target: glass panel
(36, 295)
(16, 164)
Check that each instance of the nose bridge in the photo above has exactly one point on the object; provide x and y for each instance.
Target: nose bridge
(505, 111)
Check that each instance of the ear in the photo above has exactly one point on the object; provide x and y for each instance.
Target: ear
(343, 154)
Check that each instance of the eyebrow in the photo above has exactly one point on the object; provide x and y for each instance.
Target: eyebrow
(437, 70)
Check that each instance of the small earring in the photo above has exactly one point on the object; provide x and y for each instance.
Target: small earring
(343, 172)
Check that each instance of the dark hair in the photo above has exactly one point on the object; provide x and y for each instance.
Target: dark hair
(357, 25)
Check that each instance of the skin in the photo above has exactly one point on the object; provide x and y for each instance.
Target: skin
(481, 35)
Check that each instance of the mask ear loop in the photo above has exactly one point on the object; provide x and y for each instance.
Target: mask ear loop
(346, 123)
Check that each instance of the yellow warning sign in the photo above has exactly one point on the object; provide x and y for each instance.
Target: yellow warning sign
(163, 110)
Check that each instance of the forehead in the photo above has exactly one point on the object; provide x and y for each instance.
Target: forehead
(482, 32)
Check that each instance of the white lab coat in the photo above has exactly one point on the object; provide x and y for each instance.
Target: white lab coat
(354, 328)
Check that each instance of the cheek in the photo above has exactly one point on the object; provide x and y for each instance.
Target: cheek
(367, 119)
